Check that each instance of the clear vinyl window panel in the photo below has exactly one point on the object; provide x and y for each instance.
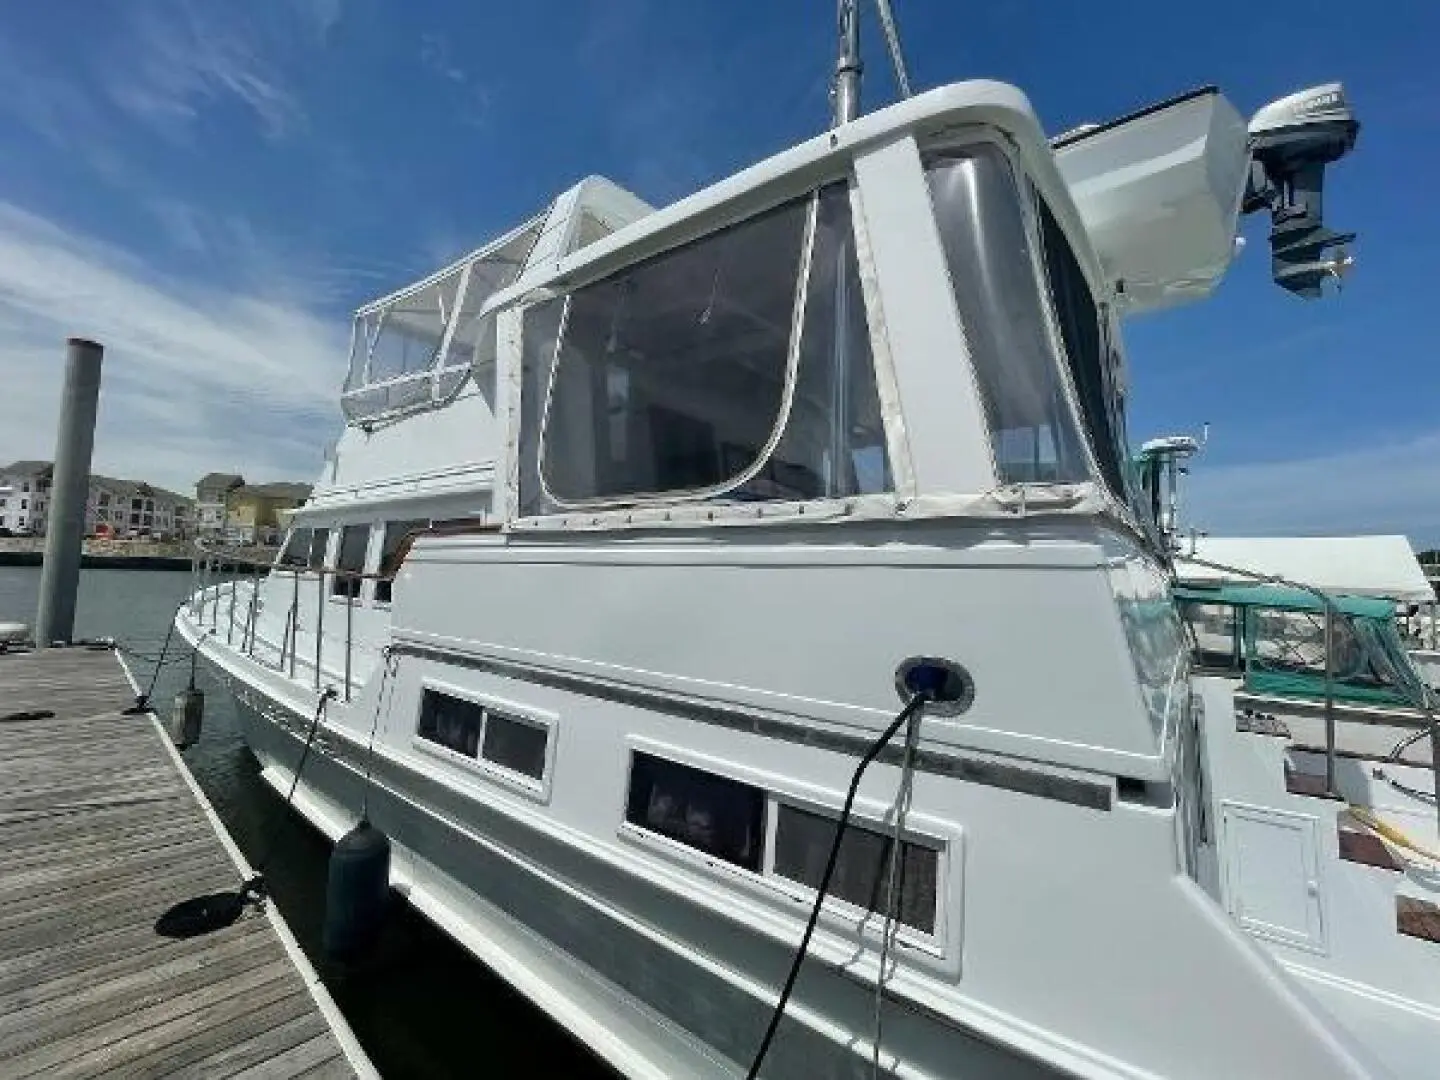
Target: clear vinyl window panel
(833, 444)
(671, 375)
(712, 814)
(1216, 628)
(862, 872)
(392, 547)
(1363, 653)
(1034, 433)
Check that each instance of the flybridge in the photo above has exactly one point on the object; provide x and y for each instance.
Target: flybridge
(413, 349)
(1159, 194)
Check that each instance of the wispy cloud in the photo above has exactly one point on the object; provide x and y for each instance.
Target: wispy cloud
(196, 378)
(471, 97)
(185, 57)
(1389, 487)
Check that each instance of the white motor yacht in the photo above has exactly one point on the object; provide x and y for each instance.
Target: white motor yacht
(650, 530)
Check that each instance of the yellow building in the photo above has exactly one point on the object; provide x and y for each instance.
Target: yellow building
(253, 511)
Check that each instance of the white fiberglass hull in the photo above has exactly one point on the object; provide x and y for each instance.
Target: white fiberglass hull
(537, 911)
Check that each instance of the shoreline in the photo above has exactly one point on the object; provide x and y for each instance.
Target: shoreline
(112, 554)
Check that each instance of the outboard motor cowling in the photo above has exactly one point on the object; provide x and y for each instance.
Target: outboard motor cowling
(1291, 142)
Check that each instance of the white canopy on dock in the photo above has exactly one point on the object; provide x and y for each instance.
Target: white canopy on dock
(1353, 565)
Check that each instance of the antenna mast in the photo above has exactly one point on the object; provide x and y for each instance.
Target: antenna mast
(845, 90)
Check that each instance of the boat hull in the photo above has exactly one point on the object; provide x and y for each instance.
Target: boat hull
(644, 1001)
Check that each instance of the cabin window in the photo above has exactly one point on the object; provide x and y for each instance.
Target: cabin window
(511, 743)
(1217, 635)
(1094, 369)
(671, 375)
(514, 744)
(1033, 431)
(297, 548)
(392, 549)
(862, 872)
(451, 722)
(319, 544)
(712, 814)
(350, 561)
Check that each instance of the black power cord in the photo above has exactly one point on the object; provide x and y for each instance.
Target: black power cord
(929, 685)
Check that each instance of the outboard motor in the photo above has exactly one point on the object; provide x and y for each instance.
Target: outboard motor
(1291, 142)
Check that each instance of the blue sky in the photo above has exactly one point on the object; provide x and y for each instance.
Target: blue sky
(210, 187)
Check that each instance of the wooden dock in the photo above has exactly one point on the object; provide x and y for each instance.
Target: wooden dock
(102, 830)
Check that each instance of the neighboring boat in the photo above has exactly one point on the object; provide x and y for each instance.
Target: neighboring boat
(1319, 732)
(1322, 767)
(1379, 566)
(646, 525)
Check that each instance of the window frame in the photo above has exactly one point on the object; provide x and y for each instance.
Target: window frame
(480, 767)
(908, 835)
(709, 858)
(1239, 633)
(690, 508)
(293, 535)
(938, 949)
(1108, 346)
(353, 591)
(792, 360)
(384, 526)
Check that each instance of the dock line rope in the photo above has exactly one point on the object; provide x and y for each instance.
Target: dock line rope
(1394, 837)
(895, 886)
(254, 888)
(388, 657)
(142, 701)
(912, 707)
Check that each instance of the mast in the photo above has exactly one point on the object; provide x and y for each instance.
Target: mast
(845, 90)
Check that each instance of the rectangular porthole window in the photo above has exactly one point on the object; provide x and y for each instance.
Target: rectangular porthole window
(451, 722)
(514, 744)
(502, 741)
(862, 872)
(712, 814)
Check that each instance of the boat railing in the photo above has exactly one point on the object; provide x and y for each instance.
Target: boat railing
(1424, 699)
(225, 601)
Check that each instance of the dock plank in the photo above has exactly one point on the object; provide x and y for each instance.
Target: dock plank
(257, 1036)
(100, 834)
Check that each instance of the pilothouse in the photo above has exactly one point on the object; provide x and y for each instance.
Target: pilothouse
(647, 524)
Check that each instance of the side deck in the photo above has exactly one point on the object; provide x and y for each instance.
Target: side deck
(102, 831)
